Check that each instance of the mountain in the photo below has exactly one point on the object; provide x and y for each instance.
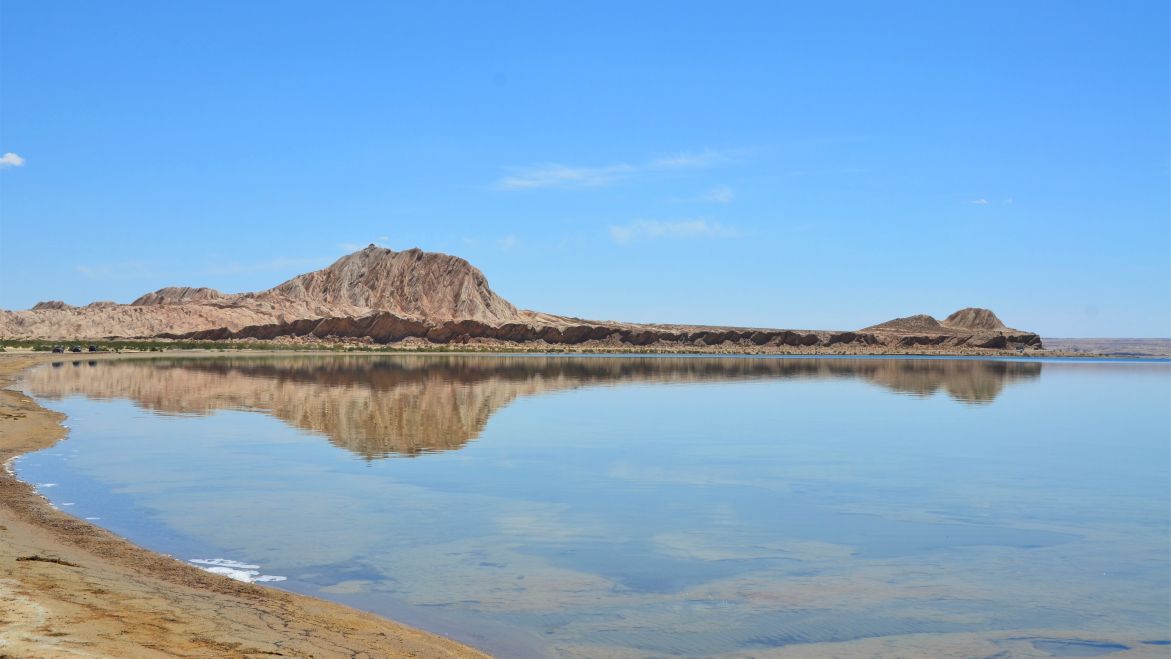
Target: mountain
(973, 319)
(379, 295)
(412, 284)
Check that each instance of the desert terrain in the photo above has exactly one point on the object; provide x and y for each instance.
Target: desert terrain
(412, 297)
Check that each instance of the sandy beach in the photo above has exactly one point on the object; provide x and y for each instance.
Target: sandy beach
(69, 589)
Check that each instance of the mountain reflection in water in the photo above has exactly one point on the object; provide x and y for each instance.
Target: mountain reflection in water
(649, 506)
(404, 405)
(378, 406)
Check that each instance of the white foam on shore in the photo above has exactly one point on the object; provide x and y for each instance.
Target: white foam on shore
(245, 572)
(46, 485)
(224, 562)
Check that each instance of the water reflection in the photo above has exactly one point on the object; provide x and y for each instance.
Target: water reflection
(885, 506)
(379, 406)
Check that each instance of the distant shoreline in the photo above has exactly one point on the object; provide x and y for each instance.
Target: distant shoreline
(1057, 347)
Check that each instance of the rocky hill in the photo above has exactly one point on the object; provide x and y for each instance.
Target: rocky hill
(973, 319)
(382, 296)
(411, 284)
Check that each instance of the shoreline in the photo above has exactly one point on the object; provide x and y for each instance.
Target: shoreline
(245, 347)
(69, 588)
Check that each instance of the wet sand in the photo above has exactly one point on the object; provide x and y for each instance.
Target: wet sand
(69, 589)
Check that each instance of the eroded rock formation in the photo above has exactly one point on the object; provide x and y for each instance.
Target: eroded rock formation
(382, 296)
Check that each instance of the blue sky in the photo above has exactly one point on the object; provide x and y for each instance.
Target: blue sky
(807, 165)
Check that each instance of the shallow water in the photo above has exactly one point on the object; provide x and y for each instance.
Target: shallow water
(650, 506)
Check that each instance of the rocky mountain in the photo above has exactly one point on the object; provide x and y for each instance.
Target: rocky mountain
(412, 284)
(177, 295)
(379, 295)
(973, 319)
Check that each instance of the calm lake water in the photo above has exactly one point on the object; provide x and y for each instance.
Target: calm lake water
(648, 506)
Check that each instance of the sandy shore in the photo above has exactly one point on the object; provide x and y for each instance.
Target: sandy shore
(68, 588)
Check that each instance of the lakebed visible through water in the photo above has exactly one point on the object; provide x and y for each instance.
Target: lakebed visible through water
(646, 505)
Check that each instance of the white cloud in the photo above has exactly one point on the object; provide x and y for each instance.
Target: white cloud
(655, 229)
(1006, 202)
(721, 194)
(10, 159)
(556, 175)
(507, 242)
(553, 175)
(678, 160)
(979, 202)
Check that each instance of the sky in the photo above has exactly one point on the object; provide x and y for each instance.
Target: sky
(823, 165)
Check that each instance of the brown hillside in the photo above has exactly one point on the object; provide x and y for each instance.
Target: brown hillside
(412, 283)
(973, 318)
(383, 296)
(917, 323)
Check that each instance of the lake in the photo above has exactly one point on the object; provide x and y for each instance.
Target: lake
(648, 506)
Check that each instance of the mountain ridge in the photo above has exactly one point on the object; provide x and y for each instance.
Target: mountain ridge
(379, 295)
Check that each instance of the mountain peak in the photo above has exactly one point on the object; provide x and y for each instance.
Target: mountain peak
(413, 283)
(974, 318)
(917, 323)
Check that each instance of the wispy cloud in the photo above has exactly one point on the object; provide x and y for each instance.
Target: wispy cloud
(10, 159)
(557, 175)
(655, 229)
(983, 201)
(720, 194)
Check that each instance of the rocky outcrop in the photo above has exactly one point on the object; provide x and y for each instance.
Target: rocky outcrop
(178, 295)
(55, 305)
(969, 328)
(413, 283)
(917, 323)
(389, 328)
(382, 296)
(973, 318)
